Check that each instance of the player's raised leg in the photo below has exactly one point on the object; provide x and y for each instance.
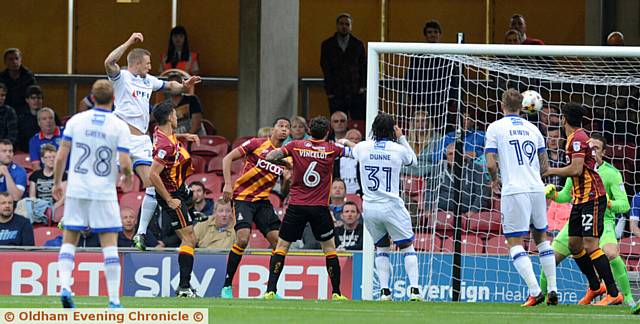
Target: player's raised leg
(149, 201)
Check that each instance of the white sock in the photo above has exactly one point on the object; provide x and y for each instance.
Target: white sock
(65, 264)
(523, 264)
(411, 265)
(112, 272)
(149, 204)
(548, 262)
(383, 266)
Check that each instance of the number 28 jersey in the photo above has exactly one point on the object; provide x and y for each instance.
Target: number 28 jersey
(96, 136)
(312, 170)
(517, 143)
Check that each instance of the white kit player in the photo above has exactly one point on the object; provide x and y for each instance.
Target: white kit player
(95, 139)
(133, 87)
(520, 147)
(384, 213)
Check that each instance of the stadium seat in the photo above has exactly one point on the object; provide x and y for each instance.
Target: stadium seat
(209, 127)
(411, 185)
(485, 222)
(442, 221)
(210, 145)
(136, 185)
(132, 200)
(215, 164)
(630, 246)
(42, 234)
(497, 245)
(199, 163)
(356, 199)
(427, 242)
(471, 244)
(211, 181)
(238, 141)
(258, 241)
(23, 160)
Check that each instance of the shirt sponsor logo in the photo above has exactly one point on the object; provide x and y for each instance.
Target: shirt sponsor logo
(266, 165)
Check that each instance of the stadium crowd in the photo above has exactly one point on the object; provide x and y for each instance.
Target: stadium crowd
(30, 132)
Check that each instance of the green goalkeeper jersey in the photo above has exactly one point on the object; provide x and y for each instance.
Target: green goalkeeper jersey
(613, 185)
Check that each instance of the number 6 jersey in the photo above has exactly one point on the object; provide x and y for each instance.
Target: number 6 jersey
(96, 136)
(312, 170)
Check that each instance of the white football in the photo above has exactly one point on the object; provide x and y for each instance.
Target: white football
(531, 102)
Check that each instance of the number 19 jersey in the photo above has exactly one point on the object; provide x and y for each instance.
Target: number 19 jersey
(96, 136)
(517, 143)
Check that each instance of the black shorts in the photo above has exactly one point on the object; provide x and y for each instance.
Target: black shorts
(587, 219)
(298, 216)
(259, 212)
(178, 218)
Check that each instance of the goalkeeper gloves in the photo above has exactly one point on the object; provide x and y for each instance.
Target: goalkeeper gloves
(550, 191)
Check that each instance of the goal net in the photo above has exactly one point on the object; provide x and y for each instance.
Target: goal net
(444, 92)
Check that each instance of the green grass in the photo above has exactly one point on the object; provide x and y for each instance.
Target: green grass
(326, 312)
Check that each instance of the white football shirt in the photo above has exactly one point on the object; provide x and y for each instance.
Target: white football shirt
(517, 143)
(132, 95)
(96, 137)
(380, 165)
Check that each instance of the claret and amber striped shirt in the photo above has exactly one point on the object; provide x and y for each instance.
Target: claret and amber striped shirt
(588, 186)
(258, 175)
(170, 152)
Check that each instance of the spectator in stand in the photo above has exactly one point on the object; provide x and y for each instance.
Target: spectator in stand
(556, 155)
(27, 118)
(49, 134)
(17, 78)
(472, 137)
(346, 168)
(217, 232)
(178, 55)
(200, 202)
(338, 126)
(422, 138)
(129, 224)
(513, 37)
(549, 117)
(518, 23)
(634, 215)
(432, 31)
(616, 38)
(337, 197)
(188, 108)
(14, 229)
(264, 131)
(475, 190)
(13, 178)
(299, 130)
(8, 118)
(344, 65)
(41, 181)
(349, 235)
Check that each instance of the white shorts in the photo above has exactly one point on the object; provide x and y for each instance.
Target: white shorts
(98, 215)
(521, 211)
(388, 219)
(141, 149)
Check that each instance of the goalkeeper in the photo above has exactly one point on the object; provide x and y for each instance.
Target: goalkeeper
(617, 203)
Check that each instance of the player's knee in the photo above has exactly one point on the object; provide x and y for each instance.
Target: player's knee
(590, 244)
(242, 240)
(575, 247)
(611, 251)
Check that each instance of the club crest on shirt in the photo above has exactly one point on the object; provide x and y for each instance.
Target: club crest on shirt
(307, 144)
(162, 154)
(576, 146)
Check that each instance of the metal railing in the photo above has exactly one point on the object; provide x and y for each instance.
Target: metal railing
(72, 81)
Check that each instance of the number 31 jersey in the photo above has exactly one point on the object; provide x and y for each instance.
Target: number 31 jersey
(380, 165)
(312, 170)
(96, 136)
(517, 143)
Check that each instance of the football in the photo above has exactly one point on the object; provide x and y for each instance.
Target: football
(531, 102)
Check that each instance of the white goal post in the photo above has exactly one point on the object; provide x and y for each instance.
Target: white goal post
(563, 73)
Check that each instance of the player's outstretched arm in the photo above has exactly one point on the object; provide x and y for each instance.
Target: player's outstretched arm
(275, 156)
(572, 170)
(403, 141)
(544, 162)
(492, 167)
(177, 88)
(111, 62)
(58, 168)
(227, 190)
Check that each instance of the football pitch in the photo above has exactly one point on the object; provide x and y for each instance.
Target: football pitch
(250, 311)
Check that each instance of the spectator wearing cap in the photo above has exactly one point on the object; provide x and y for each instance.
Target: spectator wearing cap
(8, 118)
(17, 78)
(13, 178)
(344, 65)
(14, 229)
(49, 134)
